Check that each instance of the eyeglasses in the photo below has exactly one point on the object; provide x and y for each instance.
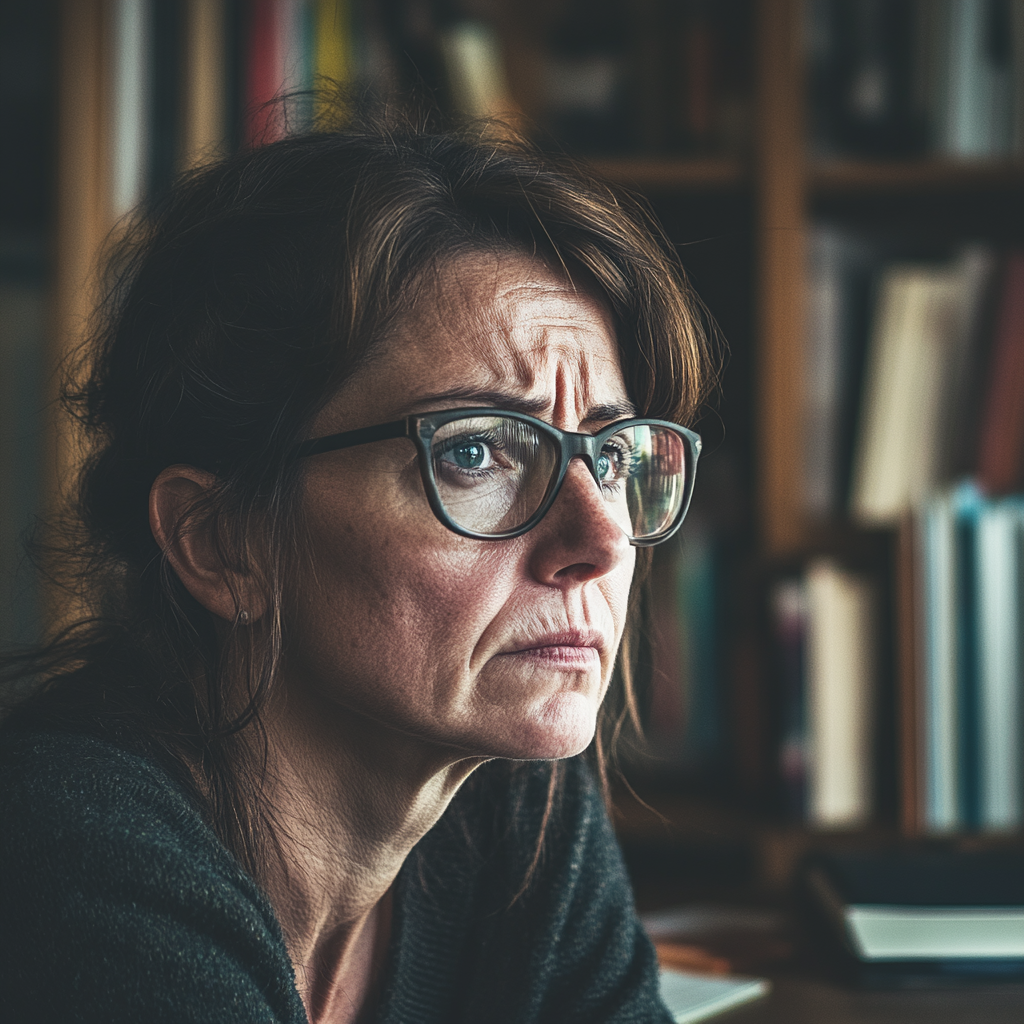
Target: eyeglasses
(492, 475)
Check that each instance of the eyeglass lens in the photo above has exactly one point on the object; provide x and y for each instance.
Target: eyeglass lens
(494, 472)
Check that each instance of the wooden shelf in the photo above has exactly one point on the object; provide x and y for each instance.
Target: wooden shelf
(824, 178)
(847, 177)
(681, 827)
(660, 173)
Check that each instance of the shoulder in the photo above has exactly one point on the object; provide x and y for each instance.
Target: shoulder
(113, 890)
(74, 798)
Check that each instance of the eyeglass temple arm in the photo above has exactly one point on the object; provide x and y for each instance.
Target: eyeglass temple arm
(351, 438)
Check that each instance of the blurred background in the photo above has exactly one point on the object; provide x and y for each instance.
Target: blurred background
(834, 651)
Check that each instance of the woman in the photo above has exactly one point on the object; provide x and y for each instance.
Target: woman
(363, 527)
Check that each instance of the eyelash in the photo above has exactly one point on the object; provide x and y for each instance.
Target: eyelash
(624, 455)
(488, 438)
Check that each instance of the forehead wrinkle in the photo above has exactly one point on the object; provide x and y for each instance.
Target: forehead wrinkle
(502, 326)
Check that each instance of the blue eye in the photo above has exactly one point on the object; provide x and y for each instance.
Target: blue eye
(470, 455)
(604, 466)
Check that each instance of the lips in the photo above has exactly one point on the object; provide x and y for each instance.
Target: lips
(577, 647)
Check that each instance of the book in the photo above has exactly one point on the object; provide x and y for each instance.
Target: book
(263, 77)
(789, 621)
(976, 103)
(1017, 80)
(910, 695)
(1001, 443)
(683, 731)
(923, 327)
(695, 997)
(840, 268)
(331, 37)
(862, 71)
(841, 684)
(205, 83)
(1000, 670)
(476, 71)
(165, 59)
(941, 742)
(898, 914)
(968, 733)
(130, 87)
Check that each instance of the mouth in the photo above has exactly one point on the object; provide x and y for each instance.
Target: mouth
(573, 648)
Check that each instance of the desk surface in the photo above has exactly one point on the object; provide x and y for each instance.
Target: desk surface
(796, 1000)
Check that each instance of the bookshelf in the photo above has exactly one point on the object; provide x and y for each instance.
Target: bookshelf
(683, 175)
(947, 177)
(743, 211)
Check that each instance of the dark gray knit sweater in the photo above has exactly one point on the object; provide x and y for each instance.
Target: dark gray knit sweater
(118, 903)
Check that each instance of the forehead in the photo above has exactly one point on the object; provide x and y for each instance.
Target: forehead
(494, 330)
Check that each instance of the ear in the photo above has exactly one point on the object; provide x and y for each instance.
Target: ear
(190, 547)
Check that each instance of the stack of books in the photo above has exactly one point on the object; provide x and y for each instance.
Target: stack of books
(921, 916)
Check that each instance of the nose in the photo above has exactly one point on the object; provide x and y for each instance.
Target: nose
(578, 540)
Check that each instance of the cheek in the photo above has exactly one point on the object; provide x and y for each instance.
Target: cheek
(393, 614)
(617, 586)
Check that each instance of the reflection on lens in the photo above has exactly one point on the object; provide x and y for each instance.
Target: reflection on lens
(492, 472)
(654, 486)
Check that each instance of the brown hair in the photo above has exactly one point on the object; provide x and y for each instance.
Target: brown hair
(235, 310)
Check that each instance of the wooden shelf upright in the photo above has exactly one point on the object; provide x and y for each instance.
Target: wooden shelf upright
(780, 200)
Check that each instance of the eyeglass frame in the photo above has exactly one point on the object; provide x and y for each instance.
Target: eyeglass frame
(569, 444)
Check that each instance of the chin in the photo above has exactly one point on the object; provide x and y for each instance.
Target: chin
(562, 726)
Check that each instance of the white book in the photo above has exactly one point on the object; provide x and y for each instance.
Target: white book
(922, 330)
(1000, 746)
(695, 997)
(130, 93)
(476, 69)
(841, 669)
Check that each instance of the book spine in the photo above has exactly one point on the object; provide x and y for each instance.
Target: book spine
(130, 90)
(1001, 446)
(942, 731)
(333, 59)
(263, 77)
(1017, 79)
(965, 531)
(999, 668)
(841, 654)
(667, 717)
(825, 362)
(968, 85)
(789, 613)
(204, 86)
(167, 20)
(909, 674)
(900, 398)
(696, 602)
(476, 75)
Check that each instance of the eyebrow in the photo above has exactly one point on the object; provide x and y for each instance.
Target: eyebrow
(519, 403)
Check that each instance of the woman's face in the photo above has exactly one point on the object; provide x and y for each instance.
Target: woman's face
(481, 648)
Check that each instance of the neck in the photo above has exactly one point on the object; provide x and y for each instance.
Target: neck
(350, 800)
